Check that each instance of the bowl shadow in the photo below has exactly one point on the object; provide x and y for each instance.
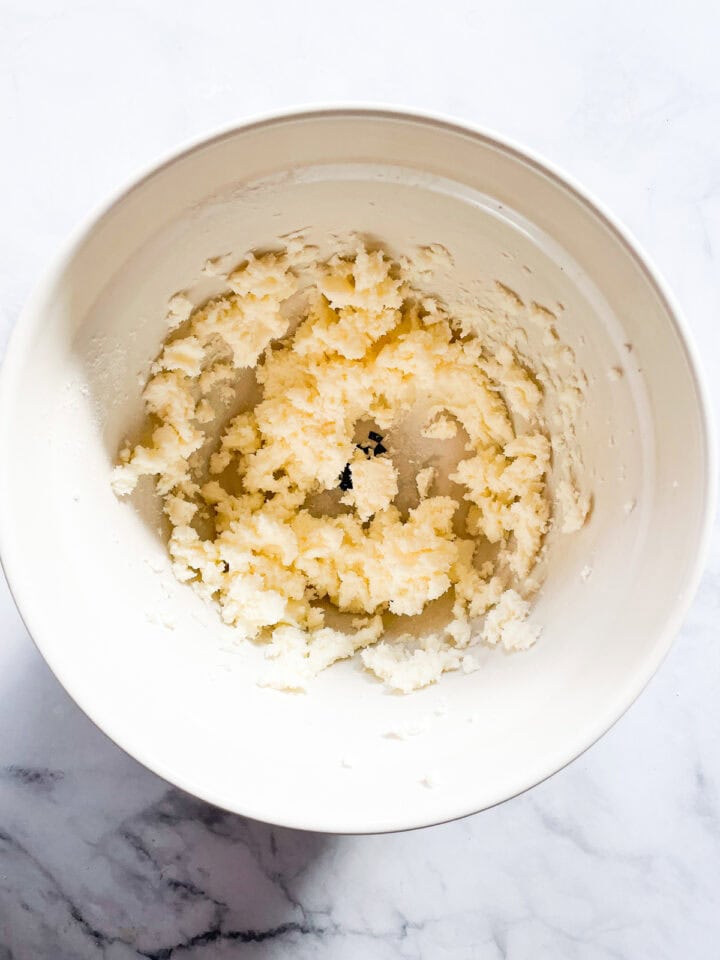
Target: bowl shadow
(108, 854)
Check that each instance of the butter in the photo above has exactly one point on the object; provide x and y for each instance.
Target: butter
(367, 348)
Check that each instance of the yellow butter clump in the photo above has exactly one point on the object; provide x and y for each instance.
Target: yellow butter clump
(359, 346)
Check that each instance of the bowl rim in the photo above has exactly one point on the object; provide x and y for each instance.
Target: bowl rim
(29, 318)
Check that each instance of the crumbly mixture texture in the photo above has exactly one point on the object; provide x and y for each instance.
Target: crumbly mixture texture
(344, 351)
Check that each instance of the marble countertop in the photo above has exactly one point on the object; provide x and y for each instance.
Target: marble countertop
(617, 856)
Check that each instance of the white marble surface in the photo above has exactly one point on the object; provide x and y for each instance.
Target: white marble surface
(617, 856)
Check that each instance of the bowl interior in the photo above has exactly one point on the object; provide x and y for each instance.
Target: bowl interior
(152, 665)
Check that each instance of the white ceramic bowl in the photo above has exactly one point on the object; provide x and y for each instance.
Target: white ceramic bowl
(142, 655)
